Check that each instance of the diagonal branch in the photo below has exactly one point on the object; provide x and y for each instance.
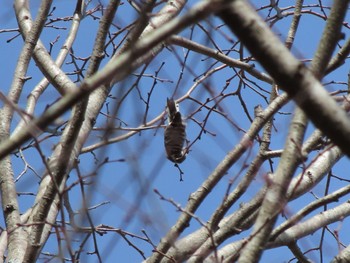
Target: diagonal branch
(291, 75)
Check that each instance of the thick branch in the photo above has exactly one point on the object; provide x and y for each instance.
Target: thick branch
(16, 236)
(62, 160)
(291, 75)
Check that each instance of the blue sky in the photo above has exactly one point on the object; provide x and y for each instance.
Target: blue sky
(127, 187)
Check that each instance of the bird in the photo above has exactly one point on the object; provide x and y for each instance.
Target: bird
(175, 134)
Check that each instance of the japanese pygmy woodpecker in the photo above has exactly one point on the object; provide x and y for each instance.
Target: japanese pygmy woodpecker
(175, 134)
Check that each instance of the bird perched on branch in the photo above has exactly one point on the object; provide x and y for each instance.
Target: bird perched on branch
(175, 134)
